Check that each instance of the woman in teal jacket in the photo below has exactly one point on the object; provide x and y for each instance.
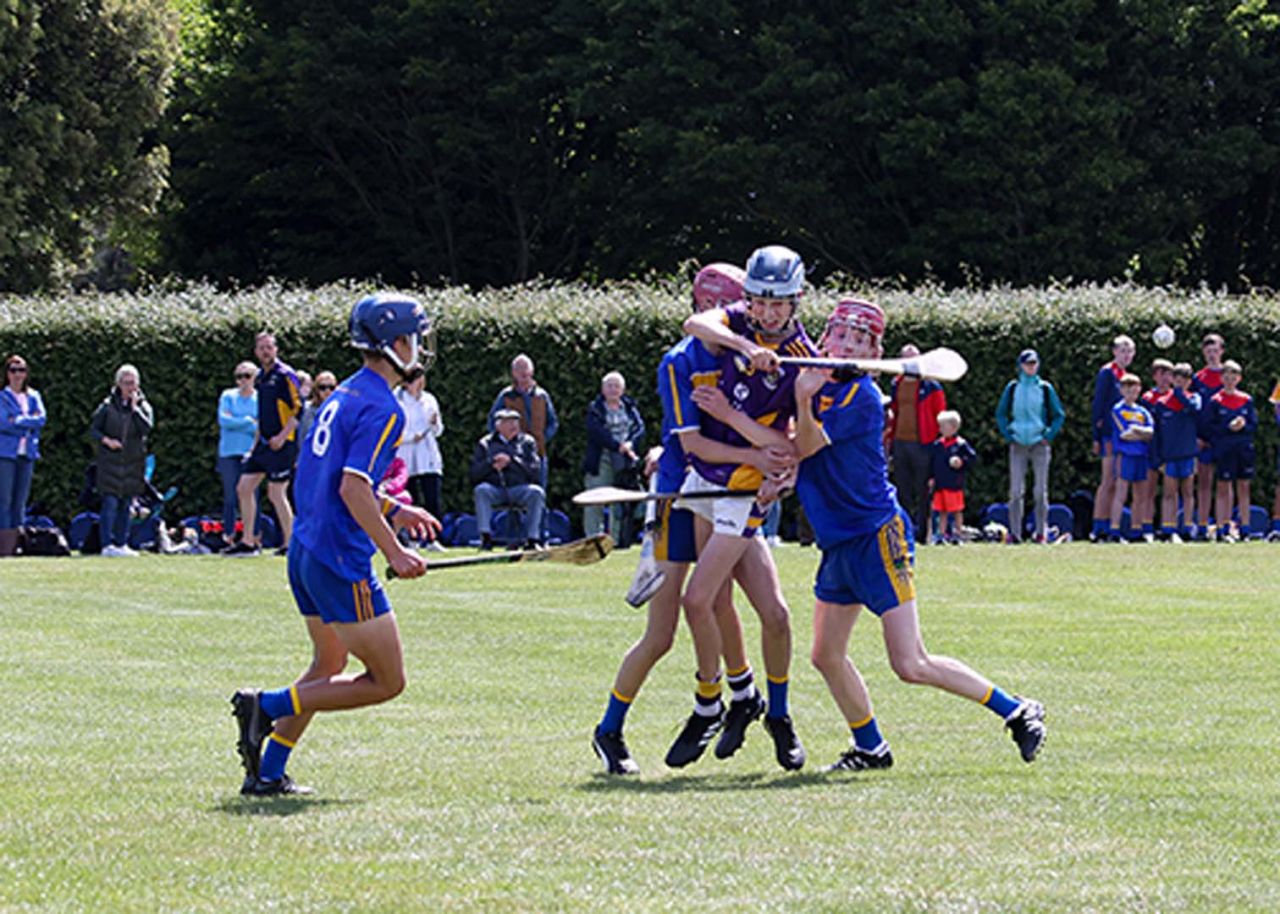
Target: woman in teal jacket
(1029, 416)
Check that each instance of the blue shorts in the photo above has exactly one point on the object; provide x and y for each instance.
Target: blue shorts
(319, 591)
(1133, 467)
(1205, 455)
(277, 466)
(1180, 469)
(1235, 462)
(673, 538)
(875, 569)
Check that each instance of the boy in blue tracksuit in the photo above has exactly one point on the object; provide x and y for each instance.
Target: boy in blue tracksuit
(1132, 429)
(949, 457)
(1177, 413)
(1232, 422)
(1106, 393)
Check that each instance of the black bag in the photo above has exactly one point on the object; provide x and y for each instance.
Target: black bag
(42, 541)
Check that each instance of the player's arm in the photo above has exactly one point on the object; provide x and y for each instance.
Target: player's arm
(713, 329)
(357, 494)
(766, 460)
(713, 402)
(810, 438)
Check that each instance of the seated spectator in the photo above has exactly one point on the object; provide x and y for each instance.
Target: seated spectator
(614, 434)
(237, 425)
(506, 469)
(120, 428)
(532, 404)
(22, 416)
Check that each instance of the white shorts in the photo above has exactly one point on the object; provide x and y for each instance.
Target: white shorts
(727, 515)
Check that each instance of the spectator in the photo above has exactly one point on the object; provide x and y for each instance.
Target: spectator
(1274, 535)
(1207, 382)
(916, 403)
(275, 450)
(1029, 417)
(237, 425)
(614, 434)
(1232, 423)
(1106, 393)
(22, 416)
(120, 428)
(505, 469)
(1132, 429)
(324, 384)
(534, 407)
(1177, 414)
(949, 457)
(420, 447)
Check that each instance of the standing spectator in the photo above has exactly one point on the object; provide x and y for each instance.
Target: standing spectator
(420, 446)
(949, 457)
(1207, 382)
(1274, 535)
(1132, 428)
(506, 468)
(237, 425)
(324, 384)
(1106, 393)
(534, 407)
(614, 434)
(1029, 417)
(120, 428)
(916, 403)
(22, 416)
(274, 451)
(1177, 414)
(1232, 423)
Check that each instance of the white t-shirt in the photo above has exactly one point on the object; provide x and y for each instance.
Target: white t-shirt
(422, 426)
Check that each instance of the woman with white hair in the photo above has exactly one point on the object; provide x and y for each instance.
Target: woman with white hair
(614, 433)
(120, 427)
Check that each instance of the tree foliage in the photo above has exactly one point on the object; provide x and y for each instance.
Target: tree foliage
(82, 88)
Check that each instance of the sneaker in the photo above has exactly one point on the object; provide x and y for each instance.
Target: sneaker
(111, 552)
(486, 542)
(533, 546)
(645, 583)
(1273, 536)
(281, 550)
(241, 550)
(741, 714)
(855, 759)
(433, 546)
(612, 749)
(786, 745)
(127, 553)
(1175, 538)
(692, 741)
(284, 786)
(255, 727)
(1026, 726)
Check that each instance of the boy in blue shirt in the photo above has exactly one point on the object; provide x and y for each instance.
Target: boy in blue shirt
(341, 523)
(1177, 414)
(950, 456)
(868, 549)
(1232, 421)
(1132, 429)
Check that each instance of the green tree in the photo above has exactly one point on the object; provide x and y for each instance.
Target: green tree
(84, 85)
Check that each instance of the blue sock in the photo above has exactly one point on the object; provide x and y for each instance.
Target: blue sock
(778, 698)
(274, 758)
(1148, 529)
(1275, 525)
(615, 714)
(1001, 702)
(279, 703)
(1244, 531)
(1099, 526)
(866, 735)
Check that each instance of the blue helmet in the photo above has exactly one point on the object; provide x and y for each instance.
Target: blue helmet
(378, 320)
(774, 272)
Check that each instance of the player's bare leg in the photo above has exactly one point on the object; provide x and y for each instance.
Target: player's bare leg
(832, 625)
(247, 492)
(1121, 494)
(278, 492)
(1204, 494)
(1222, 507)
(376, 643)
(1244, 501)
(1105, 493)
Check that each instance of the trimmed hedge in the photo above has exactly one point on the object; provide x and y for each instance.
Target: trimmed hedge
(186, 342)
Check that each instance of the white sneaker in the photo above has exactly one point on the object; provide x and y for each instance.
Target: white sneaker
(112, 552)
(434, 546)
(773, 542)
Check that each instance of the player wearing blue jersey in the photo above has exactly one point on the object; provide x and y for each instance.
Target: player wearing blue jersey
(1207, 382)
(1106, 392)
(1132, 429)
(868, 549)
(1176, 413)
(1232, 422)
(341, 523)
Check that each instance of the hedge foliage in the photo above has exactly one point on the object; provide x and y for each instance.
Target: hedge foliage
(186, 343)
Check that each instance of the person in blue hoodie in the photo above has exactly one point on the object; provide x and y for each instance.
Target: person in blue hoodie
(1029, 417)
(237, 426)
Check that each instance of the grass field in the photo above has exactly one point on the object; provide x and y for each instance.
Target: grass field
(1158, 788)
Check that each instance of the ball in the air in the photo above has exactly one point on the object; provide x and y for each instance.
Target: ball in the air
(1163, 336)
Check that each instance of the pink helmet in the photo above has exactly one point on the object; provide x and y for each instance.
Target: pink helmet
(717, 284)
(859, 315)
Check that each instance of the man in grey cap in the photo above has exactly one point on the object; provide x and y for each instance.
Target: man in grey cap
(1029, 416)
(507, 471)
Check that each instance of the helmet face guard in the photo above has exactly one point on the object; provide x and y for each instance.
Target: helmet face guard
(774, 273)
(717, 284)
(856, 314)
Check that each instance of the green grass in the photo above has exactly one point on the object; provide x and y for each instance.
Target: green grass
(476, 789)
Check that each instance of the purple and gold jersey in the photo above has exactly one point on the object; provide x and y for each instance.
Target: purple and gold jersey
(844, 487)
(766, 398)
(279, 399)
(357, 431)
(687, 365)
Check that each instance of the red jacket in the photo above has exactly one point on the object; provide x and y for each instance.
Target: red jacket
(930, 400)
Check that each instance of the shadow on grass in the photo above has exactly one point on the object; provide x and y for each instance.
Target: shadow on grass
(278, 806)
(707, 783)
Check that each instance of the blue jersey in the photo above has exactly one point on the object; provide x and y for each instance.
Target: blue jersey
(1124, 416)
(1222, 409)
(844, 487)
(279, 399)
(1176, 413)
(357, 431)
(687, 365)
(1106, 391)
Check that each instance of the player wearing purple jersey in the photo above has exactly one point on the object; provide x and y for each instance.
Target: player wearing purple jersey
(868, 549)
(751, 405)
(341, 523)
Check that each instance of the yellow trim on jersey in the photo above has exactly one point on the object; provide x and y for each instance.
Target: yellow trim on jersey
(662, 533)
(745, 478)
(675, 395)
(288, 744)
(855, 724)
(363, 600)
(705, 378)
(622, 698)
(391, 420)
(294, 700)
(853, 389)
